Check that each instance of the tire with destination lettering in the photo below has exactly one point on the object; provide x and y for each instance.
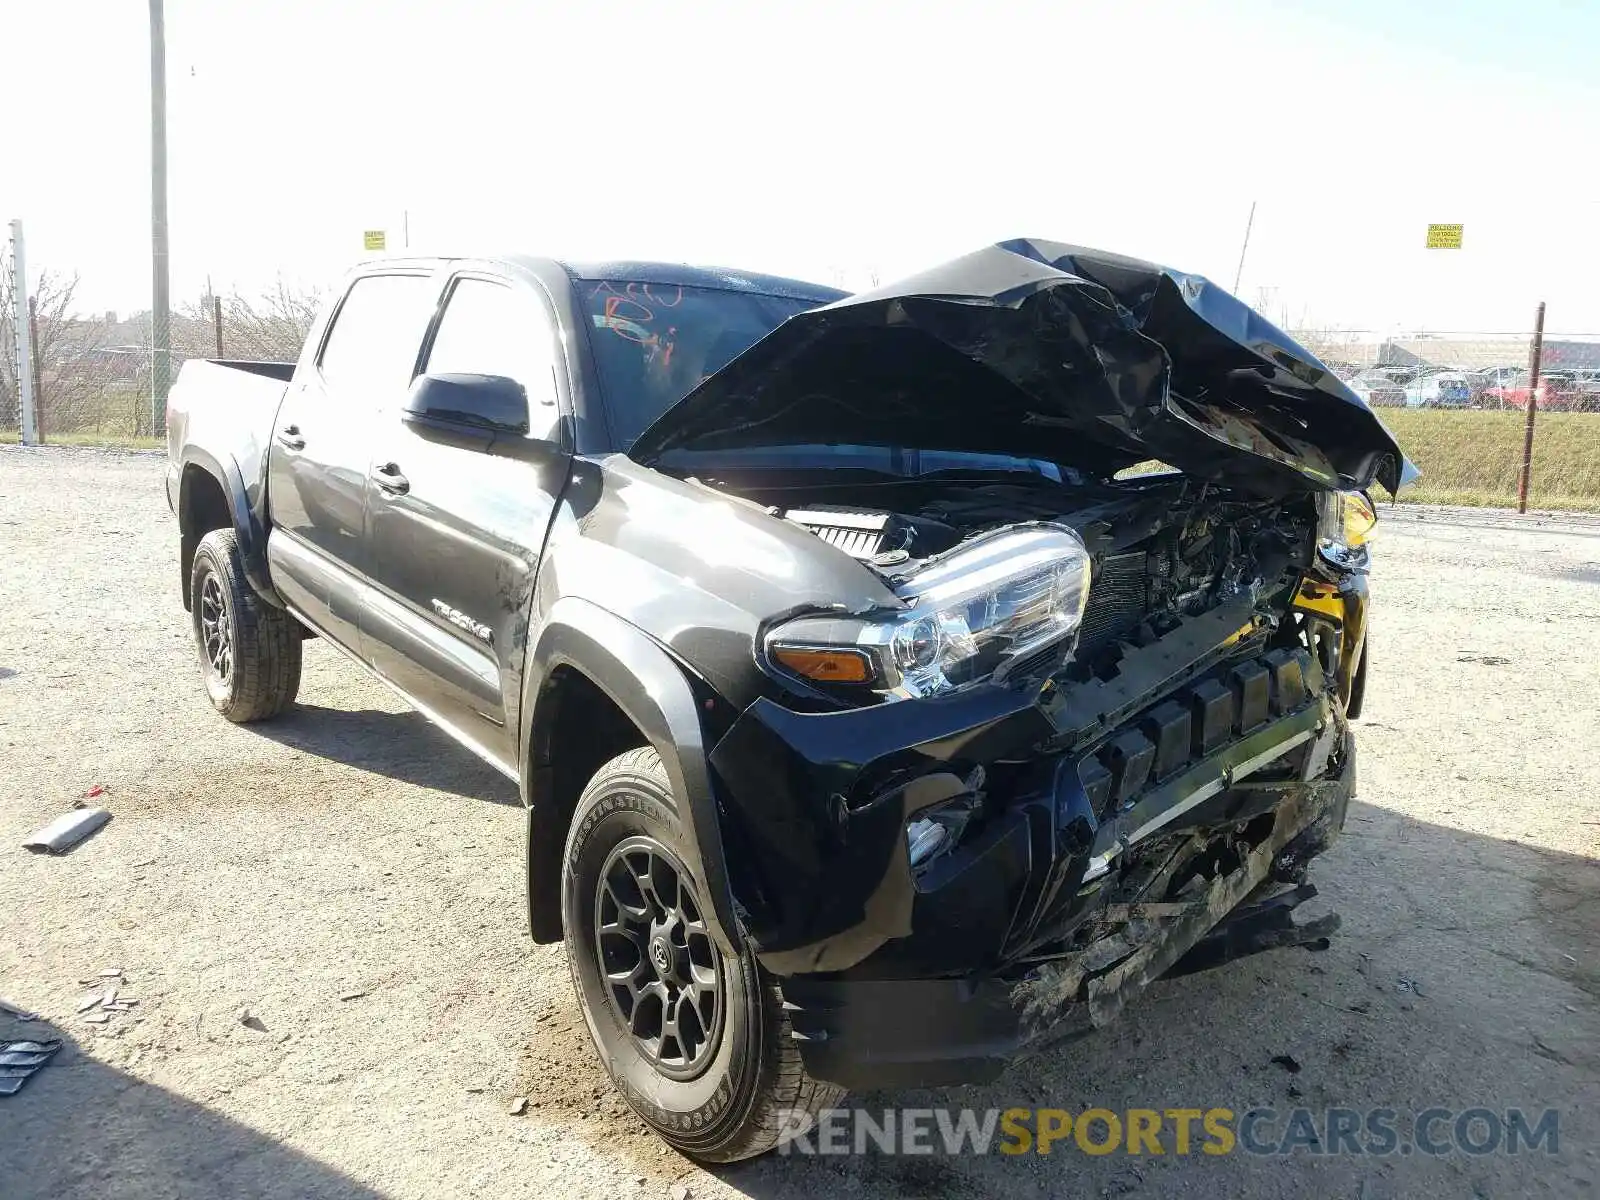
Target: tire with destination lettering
(694, 1038)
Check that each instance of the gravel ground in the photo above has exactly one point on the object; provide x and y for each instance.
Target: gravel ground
(321, 917)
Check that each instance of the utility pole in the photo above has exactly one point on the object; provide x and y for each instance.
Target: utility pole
(160, 280)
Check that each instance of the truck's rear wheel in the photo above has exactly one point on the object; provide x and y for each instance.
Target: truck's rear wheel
(249, 651)
(694, 1038)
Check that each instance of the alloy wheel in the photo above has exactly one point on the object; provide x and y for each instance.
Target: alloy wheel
(662, 973)
(216, 628)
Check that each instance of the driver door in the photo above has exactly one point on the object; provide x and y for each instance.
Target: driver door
(455, 533)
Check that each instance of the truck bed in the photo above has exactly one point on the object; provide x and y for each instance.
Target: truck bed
(224, 407)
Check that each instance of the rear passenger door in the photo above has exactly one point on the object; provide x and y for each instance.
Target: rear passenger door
(455, 533)
(322, 446)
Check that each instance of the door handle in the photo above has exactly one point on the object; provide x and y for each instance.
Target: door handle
(289, 436)
(388, 478)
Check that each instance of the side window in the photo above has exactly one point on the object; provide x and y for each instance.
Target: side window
(371, 349)
(492, 329)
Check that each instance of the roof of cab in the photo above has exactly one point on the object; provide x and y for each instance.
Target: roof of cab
(667, 274)
(723, 278)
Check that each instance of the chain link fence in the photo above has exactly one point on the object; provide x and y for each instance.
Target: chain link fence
(91, 370)
(1458, 403)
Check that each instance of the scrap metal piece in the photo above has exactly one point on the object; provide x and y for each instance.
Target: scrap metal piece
(19, 1061)
(67, 830)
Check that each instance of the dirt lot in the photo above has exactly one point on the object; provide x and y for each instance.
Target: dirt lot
(321, 917)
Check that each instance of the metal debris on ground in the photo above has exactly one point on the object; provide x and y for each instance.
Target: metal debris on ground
(67, 830)
(19, 1060)
(1406, 984)
(352, 995)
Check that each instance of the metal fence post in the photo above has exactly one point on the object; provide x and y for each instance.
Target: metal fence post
(21, 331)
(40, 408)
(1533, 405)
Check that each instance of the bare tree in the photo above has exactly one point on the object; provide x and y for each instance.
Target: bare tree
(66, 347)
(272, 325)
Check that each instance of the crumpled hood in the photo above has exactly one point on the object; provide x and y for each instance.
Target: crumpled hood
(1048, 351)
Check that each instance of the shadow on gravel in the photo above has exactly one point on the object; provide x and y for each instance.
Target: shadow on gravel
(79, 1128)
(402, 746)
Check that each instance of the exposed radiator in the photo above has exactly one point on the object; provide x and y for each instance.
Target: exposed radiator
(1118, 599)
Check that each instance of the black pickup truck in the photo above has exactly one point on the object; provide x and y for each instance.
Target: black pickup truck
(894, 682)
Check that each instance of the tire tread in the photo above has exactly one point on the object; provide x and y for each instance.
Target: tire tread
(267, 658)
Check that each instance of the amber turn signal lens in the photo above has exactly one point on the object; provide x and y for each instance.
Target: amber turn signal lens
(1359, 520)
(825, 666)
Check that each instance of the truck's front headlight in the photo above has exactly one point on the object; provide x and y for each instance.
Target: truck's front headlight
(1346, 523)
(969, 616)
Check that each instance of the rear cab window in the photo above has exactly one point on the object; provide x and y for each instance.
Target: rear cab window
(371, 348)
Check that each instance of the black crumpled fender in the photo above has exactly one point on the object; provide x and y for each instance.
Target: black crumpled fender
(247, 526)
(650, 686)
(818, 802)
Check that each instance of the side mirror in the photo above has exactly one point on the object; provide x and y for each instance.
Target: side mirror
(472, 408)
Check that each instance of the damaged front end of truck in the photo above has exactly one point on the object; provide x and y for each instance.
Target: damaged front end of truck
(1100, 724)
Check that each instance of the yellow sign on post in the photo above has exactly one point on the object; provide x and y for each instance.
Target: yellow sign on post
(1444, 237)
(374, 239)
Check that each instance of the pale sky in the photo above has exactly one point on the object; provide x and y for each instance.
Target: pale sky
(833, 141)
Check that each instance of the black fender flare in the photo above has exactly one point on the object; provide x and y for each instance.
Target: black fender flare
(247, 529)
(650, 686)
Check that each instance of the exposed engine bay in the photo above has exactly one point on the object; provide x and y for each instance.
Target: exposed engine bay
(1194, 751)
(1164, 546)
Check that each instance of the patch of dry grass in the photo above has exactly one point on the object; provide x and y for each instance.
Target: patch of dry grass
(114, 441)
(1474, 457)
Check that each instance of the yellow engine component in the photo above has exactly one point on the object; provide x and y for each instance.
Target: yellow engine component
(1320, 598)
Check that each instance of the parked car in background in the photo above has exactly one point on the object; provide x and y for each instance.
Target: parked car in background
(1586, 386)
(1558, 392)
(1443, 389)
(1485, 381)
(1377, 390)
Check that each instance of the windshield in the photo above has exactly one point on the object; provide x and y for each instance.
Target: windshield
(653, 343)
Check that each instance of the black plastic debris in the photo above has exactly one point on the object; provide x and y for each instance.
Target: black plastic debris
(19, 1060)
(67, 830)
(1288, 1062)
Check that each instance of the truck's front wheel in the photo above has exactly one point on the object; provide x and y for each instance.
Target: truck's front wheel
(693, 1037)
(249, 651)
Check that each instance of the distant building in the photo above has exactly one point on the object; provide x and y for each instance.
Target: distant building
(1457, 351)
